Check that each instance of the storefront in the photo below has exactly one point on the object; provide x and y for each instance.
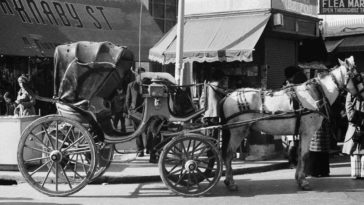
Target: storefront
(249, 40)
(252, 42)
(31, 29)
(344, 39)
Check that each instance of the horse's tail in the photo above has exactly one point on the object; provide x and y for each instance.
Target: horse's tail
(225, 131)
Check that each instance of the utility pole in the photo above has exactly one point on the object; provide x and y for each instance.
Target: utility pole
(179, 47)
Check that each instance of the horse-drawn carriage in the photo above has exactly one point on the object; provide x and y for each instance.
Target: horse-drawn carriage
(76, 146)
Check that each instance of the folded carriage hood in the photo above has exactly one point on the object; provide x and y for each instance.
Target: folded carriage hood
(84, 70)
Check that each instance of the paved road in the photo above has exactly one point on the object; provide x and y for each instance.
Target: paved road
(274, 187)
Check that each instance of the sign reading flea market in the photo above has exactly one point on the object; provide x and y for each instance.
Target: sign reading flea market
(341, 6)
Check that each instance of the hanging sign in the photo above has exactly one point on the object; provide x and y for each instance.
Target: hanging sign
(341, 7)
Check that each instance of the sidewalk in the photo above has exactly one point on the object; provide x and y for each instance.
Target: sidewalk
(130, 169)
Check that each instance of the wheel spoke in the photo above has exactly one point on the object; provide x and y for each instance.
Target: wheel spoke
(40, 141)
(39, 168)
(77, 151)
(184, 149)
(73, 143)
(204, 176)
(35, 159)
(83, 165)
(47, 134)
(66, 137)
(206, 160)
(201, 153)
(174, 172)
(36, 149)
(180, 178)
(65, 175)
(198, 183)
(57, 134)
(174, 167)
(49, 171)
(76, 161)
(56, 176)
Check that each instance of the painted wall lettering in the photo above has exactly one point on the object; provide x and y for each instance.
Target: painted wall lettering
(74, 15)
(5, 7)
(341, 6)
(59, 13)
(18, 5)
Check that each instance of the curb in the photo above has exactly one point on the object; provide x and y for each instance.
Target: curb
(17, 178)
(157, 178)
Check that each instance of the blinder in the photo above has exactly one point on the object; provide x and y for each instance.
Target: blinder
(357, 81)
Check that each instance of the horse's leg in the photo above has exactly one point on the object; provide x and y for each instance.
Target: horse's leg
(231, 141)
(303, 157)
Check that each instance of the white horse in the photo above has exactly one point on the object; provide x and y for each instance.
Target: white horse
(273, 113)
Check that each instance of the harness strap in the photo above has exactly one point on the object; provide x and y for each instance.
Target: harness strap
(297, 108)
(262, 96)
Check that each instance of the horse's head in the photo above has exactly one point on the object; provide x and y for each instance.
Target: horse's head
(349, 79)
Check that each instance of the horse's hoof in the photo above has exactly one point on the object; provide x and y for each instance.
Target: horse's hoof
(305, 186)
(232, 187)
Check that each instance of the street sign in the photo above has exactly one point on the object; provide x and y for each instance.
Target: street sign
(341, 7)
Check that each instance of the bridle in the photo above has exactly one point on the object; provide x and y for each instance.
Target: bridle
(356, 79)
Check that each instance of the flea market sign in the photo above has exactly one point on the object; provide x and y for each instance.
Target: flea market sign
(341, 6)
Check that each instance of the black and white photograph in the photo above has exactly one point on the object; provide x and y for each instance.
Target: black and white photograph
(153, 102)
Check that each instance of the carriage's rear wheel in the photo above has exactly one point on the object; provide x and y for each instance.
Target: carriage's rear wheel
(190, 165)
(56, 155)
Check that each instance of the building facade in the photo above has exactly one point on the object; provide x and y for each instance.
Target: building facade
(31, 29)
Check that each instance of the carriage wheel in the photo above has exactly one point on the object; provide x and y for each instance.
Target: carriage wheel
(105, 155)
(56, 156)
(190, 165)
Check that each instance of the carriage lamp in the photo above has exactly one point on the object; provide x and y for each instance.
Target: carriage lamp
(157, 90)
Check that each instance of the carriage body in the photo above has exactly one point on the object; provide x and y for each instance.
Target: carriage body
(76, 145)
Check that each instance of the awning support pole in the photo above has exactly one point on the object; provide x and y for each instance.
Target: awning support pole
(179, 48)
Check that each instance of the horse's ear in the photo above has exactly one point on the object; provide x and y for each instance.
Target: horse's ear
(341, 62)
(132, 69)
(350, 62)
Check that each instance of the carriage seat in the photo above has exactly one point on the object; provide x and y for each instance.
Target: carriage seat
(68, 111)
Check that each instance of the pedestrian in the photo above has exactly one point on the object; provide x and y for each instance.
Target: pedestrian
(117, 109)
(319, 151)
(210, 99)
(354, 138)
(2, 104)
(24, 101)
(10, 106)
(294, 75)
(134, 106)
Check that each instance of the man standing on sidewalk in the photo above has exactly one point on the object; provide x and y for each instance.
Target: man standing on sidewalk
(134, 106)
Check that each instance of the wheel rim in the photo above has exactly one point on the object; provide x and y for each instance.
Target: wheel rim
(190, 165)
(62, 156)
(105, 155)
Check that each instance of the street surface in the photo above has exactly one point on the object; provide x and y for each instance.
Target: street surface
(274, 187)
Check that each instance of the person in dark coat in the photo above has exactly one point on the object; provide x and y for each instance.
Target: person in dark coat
(10, 105)
(354, 138)
(2, 104)
(117, 108)
(133, 103)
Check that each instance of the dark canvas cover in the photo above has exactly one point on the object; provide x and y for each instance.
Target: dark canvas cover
(84, 70)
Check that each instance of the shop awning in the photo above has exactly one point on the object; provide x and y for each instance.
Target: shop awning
(346, 44)
(351, 44)
(209, 39)
(331, 45)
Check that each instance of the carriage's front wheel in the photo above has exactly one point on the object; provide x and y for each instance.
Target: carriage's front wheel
(190, 165)
(56, 156)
